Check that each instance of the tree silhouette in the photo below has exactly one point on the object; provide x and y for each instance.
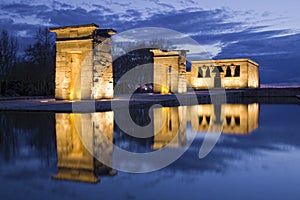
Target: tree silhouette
(42, 54)
(8, 52)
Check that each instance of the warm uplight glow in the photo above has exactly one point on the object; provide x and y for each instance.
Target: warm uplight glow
(164, 90)
(170, 123)
(80, 136)
(235, 118)
(173, 131)
(89, 63)
(75, 82)
(231, 73)
(75, 63)
(76, 135)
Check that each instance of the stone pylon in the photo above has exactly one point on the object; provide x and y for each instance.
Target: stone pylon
(83, 62)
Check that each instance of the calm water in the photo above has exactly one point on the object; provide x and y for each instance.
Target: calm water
(256, 157)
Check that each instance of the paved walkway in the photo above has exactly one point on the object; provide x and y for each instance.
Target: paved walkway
(137, 100)
(48, 104)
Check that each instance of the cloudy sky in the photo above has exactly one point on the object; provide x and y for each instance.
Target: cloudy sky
(266, 31)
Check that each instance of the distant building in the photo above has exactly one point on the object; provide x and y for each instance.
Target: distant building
(229, 74)
(169, 71)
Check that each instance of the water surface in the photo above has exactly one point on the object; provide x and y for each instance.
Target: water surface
(48, 155)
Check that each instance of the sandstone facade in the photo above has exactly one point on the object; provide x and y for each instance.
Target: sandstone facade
(169, 71)
(229, 74)
(83, 62)
(84, 67)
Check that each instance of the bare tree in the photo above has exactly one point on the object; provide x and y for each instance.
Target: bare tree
(8, 52)
(35, 72)
(42, 52)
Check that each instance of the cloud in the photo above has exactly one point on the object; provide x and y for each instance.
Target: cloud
(220, 31)
(23, 9)
(277, 56)
(61, 6)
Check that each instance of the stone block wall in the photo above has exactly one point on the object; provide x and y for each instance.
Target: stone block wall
(83, 62)
(169, 71)
(207, 78)
(233, 74)
(103, 69)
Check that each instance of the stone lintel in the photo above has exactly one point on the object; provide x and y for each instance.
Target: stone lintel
(167, 53)
(224, 61)
(75, 32)
(75, 27)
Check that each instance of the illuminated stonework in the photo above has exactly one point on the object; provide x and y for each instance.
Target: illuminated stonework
(169, 71)
(76, 136)
(83, 62)
(170, 123)
(80, 137)
(172, 130)
(171, 75)
(233, 118)
(84, 67)
(231, 73)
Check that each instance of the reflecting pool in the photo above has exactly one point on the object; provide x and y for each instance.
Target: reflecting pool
(75, 155)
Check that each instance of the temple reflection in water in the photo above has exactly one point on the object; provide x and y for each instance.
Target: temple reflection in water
(234, 118)
(173, 129)
(75, 135)
(80, 136)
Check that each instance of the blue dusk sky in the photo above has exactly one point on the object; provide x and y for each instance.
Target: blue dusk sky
(266, 31)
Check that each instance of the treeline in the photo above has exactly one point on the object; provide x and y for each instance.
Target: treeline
(27, 73)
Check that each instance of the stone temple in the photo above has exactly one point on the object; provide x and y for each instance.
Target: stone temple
(84, 67)
(83, 62)
(229, 74)
(169, 71)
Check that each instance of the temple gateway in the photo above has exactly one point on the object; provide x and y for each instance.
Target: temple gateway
(84, 67)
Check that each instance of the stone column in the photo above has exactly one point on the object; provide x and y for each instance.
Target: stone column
(232, 68)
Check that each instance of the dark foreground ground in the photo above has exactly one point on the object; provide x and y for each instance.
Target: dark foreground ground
(261, 95)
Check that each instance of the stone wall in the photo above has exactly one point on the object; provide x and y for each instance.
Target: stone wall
(83, 62)
(169, 71)
(231, 74)
(103, 69)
